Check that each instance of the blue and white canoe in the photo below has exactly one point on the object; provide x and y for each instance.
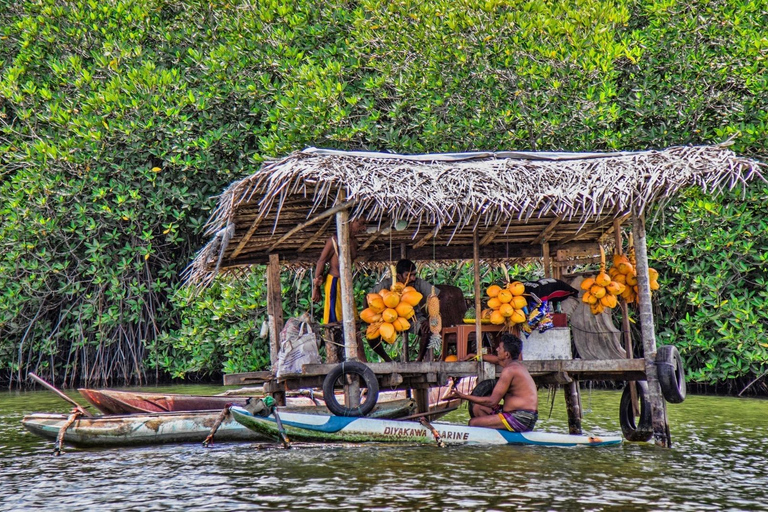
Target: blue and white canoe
(325, 428)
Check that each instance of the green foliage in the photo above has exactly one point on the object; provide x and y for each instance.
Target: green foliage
(712, 258)
(119, 121)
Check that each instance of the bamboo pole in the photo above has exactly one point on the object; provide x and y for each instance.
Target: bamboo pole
(352, 391)
(478, 308)
(625, 327)
(274, 316)
(658, 407)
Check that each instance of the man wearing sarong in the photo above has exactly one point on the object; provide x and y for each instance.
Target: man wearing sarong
(331, 283)
(516, 387)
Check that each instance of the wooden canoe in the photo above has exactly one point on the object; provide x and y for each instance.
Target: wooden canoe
(167, 427)
(325, 428)
(111, 401)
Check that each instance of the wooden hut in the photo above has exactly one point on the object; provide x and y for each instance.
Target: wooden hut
(481, 206)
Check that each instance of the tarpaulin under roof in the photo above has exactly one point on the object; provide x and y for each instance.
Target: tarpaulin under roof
(434, 203)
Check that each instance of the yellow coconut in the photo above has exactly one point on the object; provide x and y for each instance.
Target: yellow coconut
(493, 290)
(596, 309)
(494, 303)
(451, 359)
(369, 316)
(398, 287)
(389, 315)
(609, 301)
(486, 313)
(375, 302)
(653, 274)
(497, 318)
(391, 299)
(620, 278)
(626, 268)
(589, 298)
(519, 302)
(518, 317)
(408, 289)
(413, 298)
(587, 283)
(516, 287)
(598, 291)
(506, 310)
(654, 284)
(372, 332)
(405, 310)
(615, 288)
(401, 324)
(387, 331)
(504, 296)
(632, 280)
(603, 279)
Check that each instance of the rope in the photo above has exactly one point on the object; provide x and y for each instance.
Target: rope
(76, 413)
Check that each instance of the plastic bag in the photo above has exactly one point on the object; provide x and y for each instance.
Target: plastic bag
(298, 346)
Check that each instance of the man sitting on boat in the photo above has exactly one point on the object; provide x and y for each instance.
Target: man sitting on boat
(515, 386)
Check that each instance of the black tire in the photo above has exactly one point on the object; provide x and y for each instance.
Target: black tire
(336, 377)
(484, 388)
(643, 429)
(671, 373)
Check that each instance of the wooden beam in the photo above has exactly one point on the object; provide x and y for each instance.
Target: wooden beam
(599, 227)
(314, 237)
(546, 260)
(490, 235)
(625, 327)
(247, 236)
(478, 306)
(327, 213)
(547, 233)
(426, 238)
(655, 398)
(371, 239)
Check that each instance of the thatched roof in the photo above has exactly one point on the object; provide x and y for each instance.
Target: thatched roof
(433, 203)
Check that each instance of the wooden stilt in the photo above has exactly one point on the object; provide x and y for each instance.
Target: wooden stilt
(655, 398)
(274, 316)
(421, 395)
(573, 406)
(478, 307)
(347, 303)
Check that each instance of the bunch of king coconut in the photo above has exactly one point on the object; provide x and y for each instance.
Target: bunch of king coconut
(623, 271)
(389, 310)
(601, 291)
(507, 303)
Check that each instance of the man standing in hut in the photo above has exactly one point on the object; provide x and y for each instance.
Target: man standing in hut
(330, 256)
(515, 386)
(406, 274)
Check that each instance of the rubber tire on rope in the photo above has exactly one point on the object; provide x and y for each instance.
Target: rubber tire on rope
(346, 368)
(483, 388)
(643, 430)
(671, 373)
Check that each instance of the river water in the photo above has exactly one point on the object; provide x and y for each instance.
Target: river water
(719, 461)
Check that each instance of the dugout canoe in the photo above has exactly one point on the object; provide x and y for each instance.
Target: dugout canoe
(167, 427)
(112, 401)
(325, 428)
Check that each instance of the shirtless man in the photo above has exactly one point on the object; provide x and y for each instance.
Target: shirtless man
(521, 400)
(331, 283)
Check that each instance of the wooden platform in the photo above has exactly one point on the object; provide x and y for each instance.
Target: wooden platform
(422, 375)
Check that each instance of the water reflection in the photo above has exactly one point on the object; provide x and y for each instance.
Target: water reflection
(718, 462)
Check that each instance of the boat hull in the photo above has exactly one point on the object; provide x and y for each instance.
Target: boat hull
(167, 427)
(324, 428)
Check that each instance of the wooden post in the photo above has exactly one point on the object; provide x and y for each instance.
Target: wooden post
(274, 316)
(478, 307)
(625, 327)
(573, 406)
(655, 398)
(546, 259)
(347, 302)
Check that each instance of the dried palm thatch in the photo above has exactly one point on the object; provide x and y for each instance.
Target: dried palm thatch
(433, 203)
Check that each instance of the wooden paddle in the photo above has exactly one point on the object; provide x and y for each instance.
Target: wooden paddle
(61, 395)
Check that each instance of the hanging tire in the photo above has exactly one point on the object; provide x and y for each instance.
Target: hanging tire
(337, 378)
(484, 388)
(669, 366)
(643, 429)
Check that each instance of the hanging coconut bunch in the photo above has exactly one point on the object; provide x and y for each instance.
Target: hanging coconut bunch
(507, 303)
(389, 310)
(625, 272)
(601, 291)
